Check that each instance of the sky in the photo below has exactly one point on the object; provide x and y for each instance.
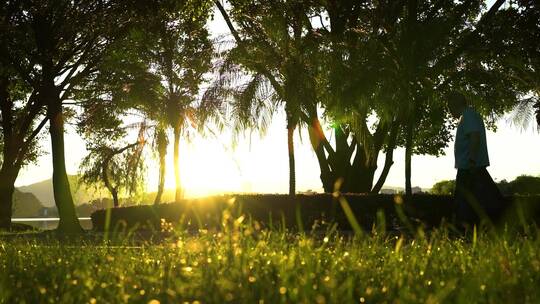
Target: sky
(211, 165)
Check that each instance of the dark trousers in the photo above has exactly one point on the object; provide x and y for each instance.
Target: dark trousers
(476, 195)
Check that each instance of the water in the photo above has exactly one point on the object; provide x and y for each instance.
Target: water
(49, 222)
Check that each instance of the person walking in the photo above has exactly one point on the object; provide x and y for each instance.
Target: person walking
(476, 194)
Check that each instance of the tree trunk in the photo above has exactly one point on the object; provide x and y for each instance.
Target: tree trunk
(316, 138)
(357, 176)
(292, 168)
(62, 192)
(7, 188)
(162, 151)
(389, 158)
(408, 159)
(105, 172)
(107, 181)
(114, 194)
(7, 179)
(179, 195)
(362, 171)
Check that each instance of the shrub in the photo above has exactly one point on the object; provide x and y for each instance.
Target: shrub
(299, 212)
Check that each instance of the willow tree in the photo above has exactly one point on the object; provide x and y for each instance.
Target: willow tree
(113, 118)
(118, 169)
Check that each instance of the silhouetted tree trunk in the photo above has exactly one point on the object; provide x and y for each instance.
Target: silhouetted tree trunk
(162, 151)
(6, 183)
(356, 173)
(316, 138)
(62, 192)
(178, 183)
(105, 176)
(410, 71)
(408, 159)
(7, 188)
(292, 168)
(6, 172)
(388, 160)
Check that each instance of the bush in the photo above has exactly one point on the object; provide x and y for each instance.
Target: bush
(445, 187)
(525, 185)
(299, 212)
(276, 210)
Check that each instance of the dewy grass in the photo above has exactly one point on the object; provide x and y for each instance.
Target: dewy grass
(244, 264)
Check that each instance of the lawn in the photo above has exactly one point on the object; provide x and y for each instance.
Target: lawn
(244, 263)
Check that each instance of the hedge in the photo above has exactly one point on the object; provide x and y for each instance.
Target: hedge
(303, 211)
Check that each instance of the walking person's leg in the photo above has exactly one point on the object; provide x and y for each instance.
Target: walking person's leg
(464, 195)
(489, 195)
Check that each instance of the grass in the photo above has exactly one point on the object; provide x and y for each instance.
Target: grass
(243, 263)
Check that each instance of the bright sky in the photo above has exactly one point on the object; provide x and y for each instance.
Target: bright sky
(210, 165)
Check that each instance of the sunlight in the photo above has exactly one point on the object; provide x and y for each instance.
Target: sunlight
(207, 167)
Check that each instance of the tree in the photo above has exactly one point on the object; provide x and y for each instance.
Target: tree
(18, 137)
(178, 51)
(119, 169)
(156, 71)
(62, 43)
(21, 113)
(525, 185)
(414, 52)
(513, 42)
(354, 98)
(109, 167)
(445, 187)
(273, 48)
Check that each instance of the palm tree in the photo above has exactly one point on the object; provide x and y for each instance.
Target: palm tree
(525, 112)
(266, 48)
(177, 51)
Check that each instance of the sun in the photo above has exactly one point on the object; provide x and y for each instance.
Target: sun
(207, 167)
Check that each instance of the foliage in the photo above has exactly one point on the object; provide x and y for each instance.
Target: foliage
(373, 67)
(56, 47)
(121, 170)
(522, 185)
(445, 187)
(155, 72)
(246, 264)
(518, 52)
(16, 121)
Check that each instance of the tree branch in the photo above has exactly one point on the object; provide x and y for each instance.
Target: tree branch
(448, 59)
(240, 42)
(28, 142)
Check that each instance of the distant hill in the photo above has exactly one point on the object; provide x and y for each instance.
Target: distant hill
(26, 204)
(43, 190)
